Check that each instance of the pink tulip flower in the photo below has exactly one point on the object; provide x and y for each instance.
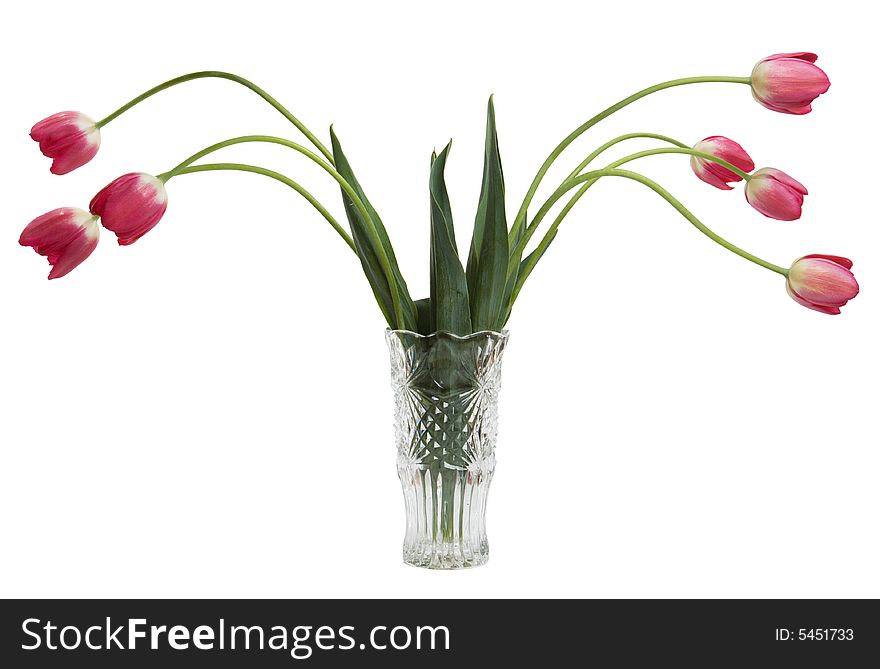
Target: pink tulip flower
(71, 139)
(788, 82)
(823, 283)
(775, 194)
(726, 149)
(130, 206)
(66, 236)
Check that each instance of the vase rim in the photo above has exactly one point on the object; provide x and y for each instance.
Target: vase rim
(502, 334)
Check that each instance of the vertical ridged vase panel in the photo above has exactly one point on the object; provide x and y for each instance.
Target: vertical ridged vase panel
(446, 424)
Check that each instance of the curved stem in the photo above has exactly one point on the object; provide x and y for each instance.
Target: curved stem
(622, 138)
(577, 132)
(278, 177)
(513, 264)
(379, 248)
(269, 139)
(551, 233)
(607, 145)
(542, 212)
(592, 177)
(230, 77)
(683, 151)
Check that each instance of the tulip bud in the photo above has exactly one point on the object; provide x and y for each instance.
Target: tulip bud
(821, 282)
(71, 139)
(130, 206)
(775, 194)
(788, 82)
(66, 236)
(726, 149)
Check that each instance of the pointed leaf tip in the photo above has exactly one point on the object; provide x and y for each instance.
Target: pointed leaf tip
(370, 236)
(489, 253)
(449, 304)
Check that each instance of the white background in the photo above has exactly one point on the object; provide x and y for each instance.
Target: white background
(207, 412)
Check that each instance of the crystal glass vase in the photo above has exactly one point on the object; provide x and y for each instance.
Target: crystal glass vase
(445, 424)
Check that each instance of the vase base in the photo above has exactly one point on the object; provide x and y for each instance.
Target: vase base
(444, 557)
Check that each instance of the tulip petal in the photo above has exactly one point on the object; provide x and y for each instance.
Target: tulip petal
(80, 151)
(795, 110)
(822, 282)
(840, 260)
(52, 230)
(726, 149)
(66, 236)
(800, 55)
(774, 200)
(788, 83)
(130, 206)
(833, 311)
(78, 249)
(71, 139)
(722, 172)
(784, 178)
(704, 173)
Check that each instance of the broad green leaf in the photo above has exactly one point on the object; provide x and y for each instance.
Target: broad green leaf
(423, 307)
(367, 252)
(450, 308)
(488, 259)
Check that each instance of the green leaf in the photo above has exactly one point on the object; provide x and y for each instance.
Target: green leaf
(513, 293)
(450, 308)
(488, 259)
(367, 252)
(423, 307)
(514, 266)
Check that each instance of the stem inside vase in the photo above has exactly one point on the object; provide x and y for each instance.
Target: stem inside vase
(446, 409)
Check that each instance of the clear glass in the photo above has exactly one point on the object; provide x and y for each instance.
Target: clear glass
(446, 425)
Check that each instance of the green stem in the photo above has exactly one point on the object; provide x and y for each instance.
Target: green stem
(594, 175)
(278, 177)
(687, 152)
(230, 77)
(617, 140)
(379, 248)
(516, 255)
(577, 132)
(542, 212)
(590, 158)
(269, 139)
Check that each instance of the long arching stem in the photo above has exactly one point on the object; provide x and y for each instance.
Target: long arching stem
(278, 177)
(577, 132)
(591, 177)
(230, 77)
(607, 145)
(622, 138)
(542, 212)
(515, 257)
(245, 139)
(379, 248)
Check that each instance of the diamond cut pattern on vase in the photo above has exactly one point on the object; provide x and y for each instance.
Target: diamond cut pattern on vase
(446, 422)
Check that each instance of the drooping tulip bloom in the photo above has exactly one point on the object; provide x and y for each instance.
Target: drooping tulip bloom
(66, 236)
(130, 206)
(775, 194)
(821, 282)
(789, 82)
(71, 139)
(726, 149)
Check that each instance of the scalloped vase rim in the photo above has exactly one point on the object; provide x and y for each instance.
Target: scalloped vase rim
(503, 334)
